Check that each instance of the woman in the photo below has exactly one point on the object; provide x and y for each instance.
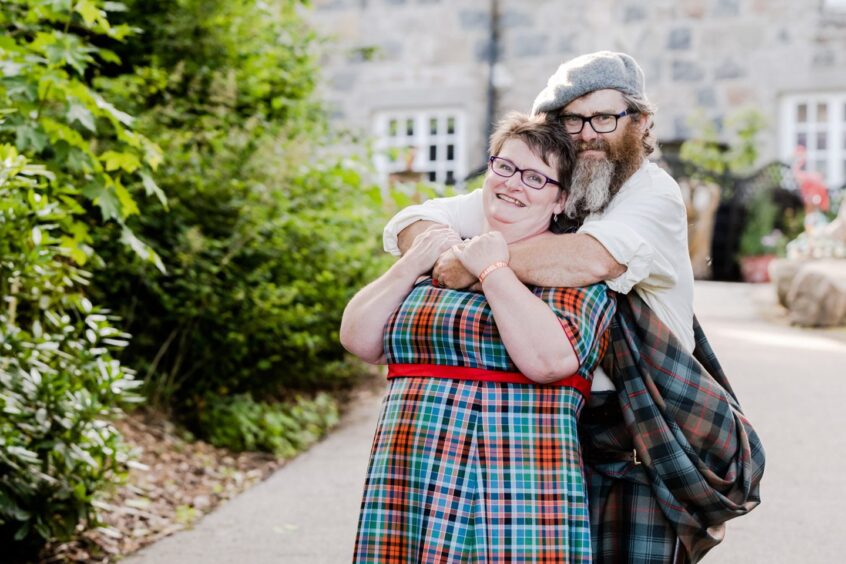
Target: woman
(476, 454)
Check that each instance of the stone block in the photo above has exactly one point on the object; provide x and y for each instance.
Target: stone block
(727, 8)
(634, 13)
(513, 18)
(729, 70)
(687, 71)
(817, 296)
(679, 39)
(568, 44)
(474, 19)
(706, 98)
(530, 45)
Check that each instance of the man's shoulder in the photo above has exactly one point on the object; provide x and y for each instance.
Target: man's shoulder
(652, 178)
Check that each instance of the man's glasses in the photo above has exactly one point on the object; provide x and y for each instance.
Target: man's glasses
(531, 178)
(601, 123)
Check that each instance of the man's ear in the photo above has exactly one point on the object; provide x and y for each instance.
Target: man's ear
(641, 121)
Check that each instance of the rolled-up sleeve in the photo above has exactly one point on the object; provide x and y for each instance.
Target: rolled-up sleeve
(637, 233)
(463, 213)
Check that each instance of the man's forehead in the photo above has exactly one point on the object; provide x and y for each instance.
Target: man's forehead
(598, 101)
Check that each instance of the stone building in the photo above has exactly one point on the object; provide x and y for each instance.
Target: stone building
(424, 78)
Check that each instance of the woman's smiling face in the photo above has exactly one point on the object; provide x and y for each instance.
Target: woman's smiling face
(513, 208)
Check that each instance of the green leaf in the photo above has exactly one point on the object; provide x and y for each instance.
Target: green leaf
(120, 161)
(150, 187)
(104, 198)
(127, 203)
(78, 112)
(127, 237)
(29, 136)
(120, 116)
(89, 11)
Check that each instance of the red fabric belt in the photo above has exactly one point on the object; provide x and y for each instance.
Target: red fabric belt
(482, 375)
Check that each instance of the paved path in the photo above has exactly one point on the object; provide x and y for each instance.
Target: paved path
(790, 383)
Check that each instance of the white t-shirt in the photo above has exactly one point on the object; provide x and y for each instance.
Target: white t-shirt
(644, 228)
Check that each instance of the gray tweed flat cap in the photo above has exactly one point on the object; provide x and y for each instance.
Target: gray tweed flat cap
(586, 73)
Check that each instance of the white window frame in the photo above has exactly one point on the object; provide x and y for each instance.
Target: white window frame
(833, 156)
(390, 155)
(835, 5)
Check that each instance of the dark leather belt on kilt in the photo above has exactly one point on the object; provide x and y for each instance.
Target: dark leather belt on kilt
(606, 414)
(592, 456)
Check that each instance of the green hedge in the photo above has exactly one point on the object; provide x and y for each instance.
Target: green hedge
(59, 381)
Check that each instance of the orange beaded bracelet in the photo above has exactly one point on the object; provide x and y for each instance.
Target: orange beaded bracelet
(490, 268)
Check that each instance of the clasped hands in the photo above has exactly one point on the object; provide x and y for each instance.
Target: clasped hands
(459, 264)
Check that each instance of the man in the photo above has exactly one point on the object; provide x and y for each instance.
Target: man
(634, 237)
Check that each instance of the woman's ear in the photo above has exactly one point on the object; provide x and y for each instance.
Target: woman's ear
(559, 204)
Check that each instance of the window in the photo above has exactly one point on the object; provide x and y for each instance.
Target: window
(429, 143)
(834, 5)
(818, 123)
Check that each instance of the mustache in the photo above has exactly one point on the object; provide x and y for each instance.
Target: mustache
(593, 145)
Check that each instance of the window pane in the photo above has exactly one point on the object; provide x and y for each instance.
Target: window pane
(433, 126)
(802, 113)
(822, 140)
(819, 166)
(451, 125)
(450, 177)
(802, 139)
(392, 128)
(822, 113)
(432, 176)
(409, 127)
(450, 153)
(433, 153)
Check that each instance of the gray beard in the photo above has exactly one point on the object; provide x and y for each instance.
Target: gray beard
(590, 188)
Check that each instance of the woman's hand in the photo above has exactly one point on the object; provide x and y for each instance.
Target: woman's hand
(428, 246)
(481, 251)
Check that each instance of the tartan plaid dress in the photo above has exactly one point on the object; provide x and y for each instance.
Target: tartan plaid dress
(702, 462)
(466, 470)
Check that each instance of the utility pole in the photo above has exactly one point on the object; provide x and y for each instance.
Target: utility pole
(493, 58)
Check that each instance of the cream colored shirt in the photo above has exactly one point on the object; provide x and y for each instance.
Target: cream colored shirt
(644, 228)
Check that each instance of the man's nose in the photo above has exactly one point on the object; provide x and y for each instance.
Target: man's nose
(586, 134)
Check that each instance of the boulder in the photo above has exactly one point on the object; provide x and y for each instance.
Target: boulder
(817, 295)
(782, 273)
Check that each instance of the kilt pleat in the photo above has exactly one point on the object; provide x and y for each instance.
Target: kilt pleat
(469, 471)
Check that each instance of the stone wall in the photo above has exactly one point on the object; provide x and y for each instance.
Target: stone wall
(713, 56)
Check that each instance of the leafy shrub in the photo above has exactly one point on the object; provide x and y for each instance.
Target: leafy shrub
(59, 380)
(241, 423)
(264, 242)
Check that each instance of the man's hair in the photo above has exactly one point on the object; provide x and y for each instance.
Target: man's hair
(546, 138)
(643, 106)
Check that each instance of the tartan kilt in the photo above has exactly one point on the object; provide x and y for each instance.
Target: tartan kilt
(627, 524)
(475, 471)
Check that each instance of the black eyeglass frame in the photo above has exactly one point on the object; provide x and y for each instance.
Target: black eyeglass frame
(590, 119)
(493, 159)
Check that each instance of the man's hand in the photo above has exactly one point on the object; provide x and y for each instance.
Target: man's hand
(406, 237)
(450, 273)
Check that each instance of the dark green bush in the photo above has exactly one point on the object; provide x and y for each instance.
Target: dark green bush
(241, 423)
(59, 381)
(264, 241)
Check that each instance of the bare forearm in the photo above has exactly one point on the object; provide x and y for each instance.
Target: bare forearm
(406, 237)
(367, 312)
(568, 261)
(531, 332)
